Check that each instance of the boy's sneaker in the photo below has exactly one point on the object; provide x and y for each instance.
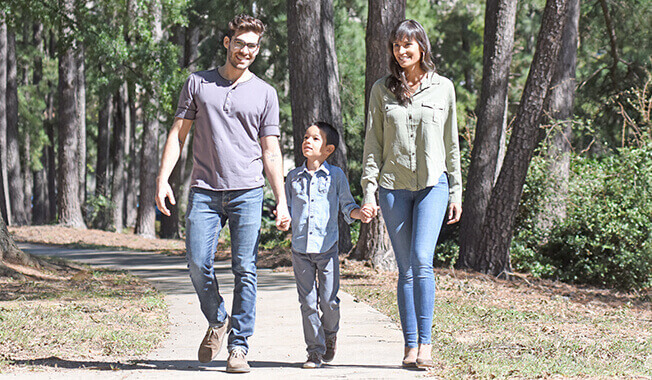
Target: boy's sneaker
(314, 361)
(237, 362)
(212, 343)
(331, 346)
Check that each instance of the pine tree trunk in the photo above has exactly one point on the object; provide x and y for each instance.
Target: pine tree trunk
(498, 228)
(4, 185)
(81, 109)
(314, 89)
(559, 109)
(69, 206)
(374, 243)
(500, 17)
(131, 197)
(118, 159)
(14, 173)
(103, 144)
(145, 222)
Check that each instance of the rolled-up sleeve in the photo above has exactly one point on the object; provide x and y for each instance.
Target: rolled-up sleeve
(373, 146)
(347, 203)
(452, 147)
(187, 108)
(270, 121)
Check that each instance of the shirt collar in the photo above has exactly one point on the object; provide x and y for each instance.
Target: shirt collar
(325, 167)
(431, 79)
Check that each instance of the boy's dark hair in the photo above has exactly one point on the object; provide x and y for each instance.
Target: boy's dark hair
(245, 23)
(332, 136)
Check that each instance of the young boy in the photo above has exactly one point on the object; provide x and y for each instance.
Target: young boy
(316, 192)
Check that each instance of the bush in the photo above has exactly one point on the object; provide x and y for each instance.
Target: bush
(606, 238)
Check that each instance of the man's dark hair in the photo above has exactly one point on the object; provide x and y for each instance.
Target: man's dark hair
(245, 23)
(332, 136)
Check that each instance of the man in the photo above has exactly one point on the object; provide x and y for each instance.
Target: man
(236, 118)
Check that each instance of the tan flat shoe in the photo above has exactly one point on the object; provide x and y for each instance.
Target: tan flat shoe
(424, 363)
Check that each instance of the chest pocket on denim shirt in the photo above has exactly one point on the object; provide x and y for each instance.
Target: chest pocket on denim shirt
(299, 185)
(433, 113)
(323, 184)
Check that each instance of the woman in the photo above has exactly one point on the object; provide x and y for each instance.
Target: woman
(411, 152)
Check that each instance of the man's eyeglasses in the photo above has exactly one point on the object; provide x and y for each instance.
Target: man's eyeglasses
(239, 44)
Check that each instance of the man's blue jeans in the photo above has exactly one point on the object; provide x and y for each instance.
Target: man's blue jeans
(208, 211)
(413, 220)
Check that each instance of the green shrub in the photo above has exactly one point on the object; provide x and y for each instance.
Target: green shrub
(606, 238)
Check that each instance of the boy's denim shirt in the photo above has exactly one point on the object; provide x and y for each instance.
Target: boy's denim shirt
(314, 202)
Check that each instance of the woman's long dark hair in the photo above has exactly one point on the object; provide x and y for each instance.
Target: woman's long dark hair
(406, 30)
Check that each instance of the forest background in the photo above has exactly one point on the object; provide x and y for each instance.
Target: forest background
(91, 88)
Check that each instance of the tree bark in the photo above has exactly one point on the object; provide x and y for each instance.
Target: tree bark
(498, 225)
(81, 117)
(314, 88)
(131, 196)
(373, 243)
(500, 18)
(118, 159)
(4, 186)
(103, 143)
(613, 43)
(559, 110)
(14, 172)
(145, 222)
(69, 206)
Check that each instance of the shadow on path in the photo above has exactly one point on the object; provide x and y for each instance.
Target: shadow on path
(178, 365)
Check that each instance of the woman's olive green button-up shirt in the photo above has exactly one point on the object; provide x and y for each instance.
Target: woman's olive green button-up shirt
(409, 146)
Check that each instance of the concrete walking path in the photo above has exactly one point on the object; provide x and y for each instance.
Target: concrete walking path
(369, 344)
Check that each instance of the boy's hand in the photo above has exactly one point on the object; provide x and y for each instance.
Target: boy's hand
(369, 212)
(282, 221)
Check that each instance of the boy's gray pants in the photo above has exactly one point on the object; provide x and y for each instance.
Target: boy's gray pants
(324, 267)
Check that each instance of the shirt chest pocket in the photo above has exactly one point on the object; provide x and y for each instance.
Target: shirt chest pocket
(394, 114)
(433, 113)
(300, 187)
(323, 185)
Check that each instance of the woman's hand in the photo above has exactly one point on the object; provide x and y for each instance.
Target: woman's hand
(454, 213)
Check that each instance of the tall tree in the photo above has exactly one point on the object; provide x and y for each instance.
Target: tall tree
(314, 89)
(133, 164)
(498, 228)
(4, 186)
(118, 158)
(383, 15)
(103, 143)
(145, 222)
(81, 117)
(559, 111)
(14, 172)
(500, 18)
(69, 206)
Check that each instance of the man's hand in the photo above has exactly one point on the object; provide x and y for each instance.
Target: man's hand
(282, 217)
(164, 190)
(454, 213)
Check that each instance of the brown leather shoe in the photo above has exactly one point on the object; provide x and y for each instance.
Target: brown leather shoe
(237, 362)
(331, 347)
(212, 343)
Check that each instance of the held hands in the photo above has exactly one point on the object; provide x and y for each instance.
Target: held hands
(164, 190)
(454, 213)
(282, 217)
(368, 212)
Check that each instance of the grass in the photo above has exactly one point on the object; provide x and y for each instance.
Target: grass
(96, 313)
(485, 328)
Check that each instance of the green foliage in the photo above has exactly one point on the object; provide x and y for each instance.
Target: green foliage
(98, 212)
(606, 238)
